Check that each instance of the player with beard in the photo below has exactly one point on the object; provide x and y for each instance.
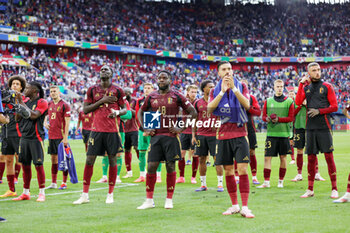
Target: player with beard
(165, 145)
(346, 197)
(11, 137)
(205, 138)
(106, 101)
(320, 102)
(186, 143)
(32, 141)
(131, 134)
(229, 100)
(57, 123)
(144, 141)
(299, 141)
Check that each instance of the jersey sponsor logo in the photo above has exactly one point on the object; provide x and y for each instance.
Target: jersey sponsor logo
(151, 120)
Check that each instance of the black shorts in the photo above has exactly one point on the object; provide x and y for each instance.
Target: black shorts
(164, 148)
(53, 146)
(102, 142)
(275, 146)
(131, 139)
(252, 139)
(86, 134)
(10, 146)
(232, 149)
(186, 142)
(205, 144)
(319, 140)
(31, 150)
(299, 138)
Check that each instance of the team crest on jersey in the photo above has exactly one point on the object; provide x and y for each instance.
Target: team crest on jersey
(321, 90)
(201, 106)
(170, 100)
(33, 108)
(58, 109)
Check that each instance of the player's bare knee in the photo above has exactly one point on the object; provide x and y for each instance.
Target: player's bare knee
(170, 167)
(90, 160)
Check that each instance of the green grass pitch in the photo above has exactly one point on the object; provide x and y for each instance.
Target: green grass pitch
(276, 210)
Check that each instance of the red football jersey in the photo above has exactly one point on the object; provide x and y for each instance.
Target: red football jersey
(203, 116)
(86, 120)
(56, 114)
(168, 105)
(230, 130)
(131, 125)
(188, 130)
(101, 122)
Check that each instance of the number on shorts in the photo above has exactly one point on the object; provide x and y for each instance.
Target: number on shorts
(268, 144)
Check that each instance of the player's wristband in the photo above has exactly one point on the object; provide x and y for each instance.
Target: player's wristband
(221, 93)
(234, 89)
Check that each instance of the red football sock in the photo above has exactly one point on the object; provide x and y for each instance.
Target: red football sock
(253, 164)
(311, 168)
(65, 175)
(2, 169)
(150, 183)
(11, 182)
(300, 161)
(236, 170)
(182, 167)
(232, 189)
(195, 163)
(292, 155)
(244, 189)
(112, 176)
(27, 175)
(54, 171)
(282, 173)
(137, 153)
(89, 169)
(17, 170)
(316, 165)
(267, 174)
(128, 160)
(40, 176)
(348, 189)
(170, 184)
(332, 170)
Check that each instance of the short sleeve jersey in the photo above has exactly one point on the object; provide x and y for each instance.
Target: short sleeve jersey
(57, 114)
(34, 129)
(101, 121)
(168, 105)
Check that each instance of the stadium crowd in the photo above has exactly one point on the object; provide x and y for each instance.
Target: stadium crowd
(208, 30)
(85, 72)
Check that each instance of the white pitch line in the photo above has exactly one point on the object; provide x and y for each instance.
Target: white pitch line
(78, 191)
